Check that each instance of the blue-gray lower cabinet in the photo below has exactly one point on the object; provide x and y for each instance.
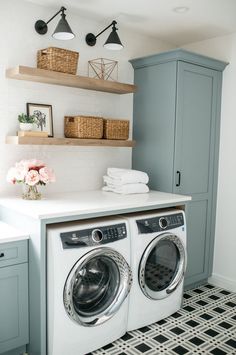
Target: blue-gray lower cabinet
(14, 329)
(176, 126)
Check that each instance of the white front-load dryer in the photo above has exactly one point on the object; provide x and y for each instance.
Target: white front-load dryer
(158, 263)
(88, 281)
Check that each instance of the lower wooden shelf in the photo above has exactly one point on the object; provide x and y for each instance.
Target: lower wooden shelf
(68, 141)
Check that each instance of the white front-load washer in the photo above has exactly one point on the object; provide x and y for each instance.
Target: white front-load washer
(158, 263)
(88, 281)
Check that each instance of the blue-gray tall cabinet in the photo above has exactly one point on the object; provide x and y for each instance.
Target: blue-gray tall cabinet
(176, 126)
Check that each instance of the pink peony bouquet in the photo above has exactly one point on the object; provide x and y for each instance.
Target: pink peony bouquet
(30, 173)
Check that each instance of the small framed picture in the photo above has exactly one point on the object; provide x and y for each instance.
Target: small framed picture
(43, 117)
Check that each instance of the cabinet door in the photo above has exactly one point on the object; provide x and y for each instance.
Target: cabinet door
(154, 123)
(13, 307)
(196, 117)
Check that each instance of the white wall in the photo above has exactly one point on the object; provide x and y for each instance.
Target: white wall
(76, 168)
(224, 268)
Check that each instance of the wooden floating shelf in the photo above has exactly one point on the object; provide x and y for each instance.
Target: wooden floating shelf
(51, 77)
(68, 141)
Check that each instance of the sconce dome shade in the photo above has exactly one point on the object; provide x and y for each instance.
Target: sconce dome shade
(63, 30)
(113, 41)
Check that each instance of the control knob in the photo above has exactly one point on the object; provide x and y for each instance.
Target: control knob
(163, 223)
(97, 235)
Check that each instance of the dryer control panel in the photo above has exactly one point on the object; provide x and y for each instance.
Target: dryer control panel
(93, 236)
(160, 223)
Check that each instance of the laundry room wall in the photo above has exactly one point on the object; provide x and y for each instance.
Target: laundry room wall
(224, 270)
(76, 168)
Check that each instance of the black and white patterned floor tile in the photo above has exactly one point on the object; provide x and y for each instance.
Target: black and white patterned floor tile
(205, 325)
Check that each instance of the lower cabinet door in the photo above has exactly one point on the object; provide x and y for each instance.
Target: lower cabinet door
(14, 328)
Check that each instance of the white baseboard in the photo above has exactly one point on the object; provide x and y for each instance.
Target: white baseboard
(223, 282)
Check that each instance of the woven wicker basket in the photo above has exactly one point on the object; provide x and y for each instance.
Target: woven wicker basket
(58, 59)
(83, 127)
(115, 129)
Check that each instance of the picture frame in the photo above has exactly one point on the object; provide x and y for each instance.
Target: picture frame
(43, 115)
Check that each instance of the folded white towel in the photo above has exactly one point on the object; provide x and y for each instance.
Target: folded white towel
(127, 189)
(127, 176)
(110, 181)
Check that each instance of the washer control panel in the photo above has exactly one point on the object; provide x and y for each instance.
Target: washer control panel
(161, 223)
(93, 236)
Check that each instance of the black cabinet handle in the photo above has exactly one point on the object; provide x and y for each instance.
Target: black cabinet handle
(178, 178)
(2, 255)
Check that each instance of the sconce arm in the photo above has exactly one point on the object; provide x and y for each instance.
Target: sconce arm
(112, 24)
(62, 9)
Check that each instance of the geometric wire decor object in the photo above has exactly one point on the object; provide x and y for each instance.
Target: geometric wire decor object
(102, 68)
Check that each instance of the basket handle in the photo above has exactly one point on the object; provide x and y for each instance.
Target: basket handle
(43, 51)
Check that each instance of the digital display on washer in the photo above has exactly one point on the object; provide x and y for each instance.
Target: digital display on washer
(93, 236)
(160, 223)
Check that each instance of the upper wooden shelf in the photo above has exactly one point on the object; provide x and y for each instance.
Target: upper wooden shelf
(68, 141)
(56, 78)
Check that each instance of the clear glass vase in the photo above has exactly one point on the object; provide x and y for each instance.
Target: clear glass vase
(31, 193)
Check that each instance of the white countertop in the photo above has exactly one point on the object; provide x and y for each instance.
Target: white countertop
(10, 234)
(89, 202)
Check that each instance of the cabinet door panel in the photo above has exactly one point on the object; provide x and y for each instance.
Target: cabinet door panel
(9, 296)
(13, 307)
(154, 128)
(196, 217)
(194, 158)
(195, 127)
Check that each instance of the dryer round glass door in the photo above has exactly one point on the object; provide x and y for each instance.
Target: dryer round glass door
(162, 266)
(97, 286)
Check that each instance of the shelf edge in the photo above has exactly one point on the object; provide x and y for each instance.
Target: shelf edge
(15, 140)
(56, 78)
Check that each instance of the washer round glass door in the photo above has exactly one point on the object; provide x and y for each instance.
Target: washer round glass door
(97, 286)
(162, 266)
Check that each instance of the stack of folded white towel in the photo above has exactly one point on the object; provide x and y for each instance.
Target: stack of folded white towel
(125, 181)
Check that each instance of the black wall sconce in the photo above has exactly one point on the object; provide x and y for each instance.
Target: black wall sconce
(113, 41)
(62, 31)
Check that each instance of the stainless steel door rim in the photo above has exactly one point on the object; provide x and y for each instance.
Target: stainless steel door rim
(110, 290)
(180, 267)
